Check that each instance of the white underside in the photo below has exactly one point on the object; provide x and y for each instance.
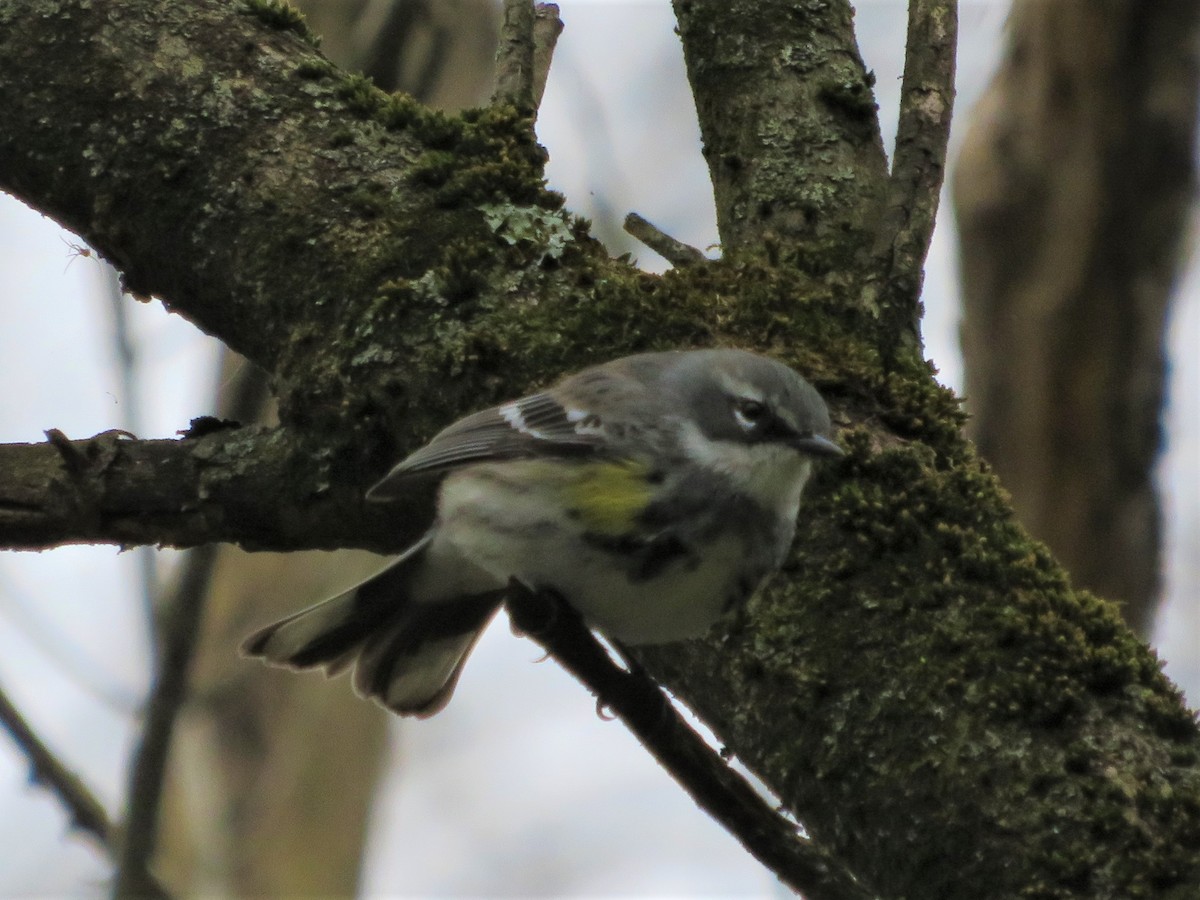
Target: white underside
(543, 548)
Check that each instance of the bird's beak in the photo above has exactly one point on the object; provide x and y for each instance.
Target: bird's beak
(817, 445)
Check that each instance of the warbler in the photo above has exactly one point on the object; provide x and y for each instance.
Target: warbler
(654, 493)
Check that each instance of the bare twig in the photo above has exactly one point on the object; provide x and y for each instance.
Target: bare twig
(919, 159)
(514, 56)
(87, 813)
(716, 788)
(181, 627)
(676, 252)
(547, 26)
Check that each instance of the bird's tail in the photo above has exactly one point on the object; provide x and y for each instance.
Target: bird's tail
(407, 655)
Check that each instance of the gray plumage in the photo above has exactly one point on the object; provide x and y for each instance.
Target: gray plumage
(654, 493)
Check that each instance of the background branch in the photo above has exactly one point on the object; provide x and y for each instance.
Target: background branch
(717, 789)
(181, 630)
(86, 812)
(126, 362)
(1074, 190)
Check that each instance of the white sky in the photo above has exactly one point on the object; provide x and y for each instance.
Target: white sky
(519, 776)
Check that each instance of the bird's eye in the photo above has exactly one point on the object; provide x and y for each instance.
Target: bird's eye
(748, 412)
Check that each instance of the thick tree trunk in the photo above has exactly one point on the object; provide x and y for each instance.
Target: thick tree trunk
(1073, 193)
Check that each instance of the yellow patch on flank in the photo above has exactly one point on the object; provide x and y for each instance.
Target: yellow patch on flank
(608, 495)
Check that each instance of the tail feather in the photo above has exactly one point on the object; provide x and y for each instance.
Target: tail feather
(407, 655)
(324, 634)
(413, 668)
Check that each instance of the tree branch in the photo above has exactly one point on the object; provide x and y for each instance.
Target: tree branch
(288, 173)
(918, 163)
(514, 57)
(87, 813)
(259, 487)
(676, 252)
(547, 26)
(784, 124)
(528, 34)
(717, 789)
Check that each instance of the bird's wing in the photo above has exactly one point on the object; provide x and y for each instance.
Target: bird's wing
(534, 426)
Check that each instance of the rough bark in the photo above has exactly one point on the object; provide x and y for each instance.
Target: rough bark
(114, 489)
(1073, 193)
(788, 83)
(922, 687)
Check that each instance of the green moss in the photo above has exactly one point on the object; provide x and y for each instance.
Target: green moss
(481, 156)
(341, 137)
(1007, 606)
(400, 111)
(368, 200)
(361, 96)
(314, 70)
(463, 273)
(917, 407)
(987, 644)
(434, 169)
(282, 16)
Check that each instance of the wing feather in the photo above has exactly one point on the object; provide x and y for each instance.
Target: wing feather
(594, 411)
(537, 425)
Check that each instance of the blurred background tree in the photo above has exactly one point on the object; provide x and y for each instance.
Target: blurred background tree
(1074, 192)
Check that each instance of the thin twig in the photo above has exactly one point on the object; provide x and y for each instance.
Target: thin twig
(547, 26)
(86, 811)
(676, 252)
(182, 619)
(716, 788)
(514, 56)
(919, 159)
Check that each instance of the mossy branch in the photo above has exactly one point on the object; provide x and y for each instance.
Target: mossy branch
(262, 488)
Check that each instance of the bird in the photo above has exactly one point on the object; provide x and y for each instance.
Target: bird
(654, 493)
